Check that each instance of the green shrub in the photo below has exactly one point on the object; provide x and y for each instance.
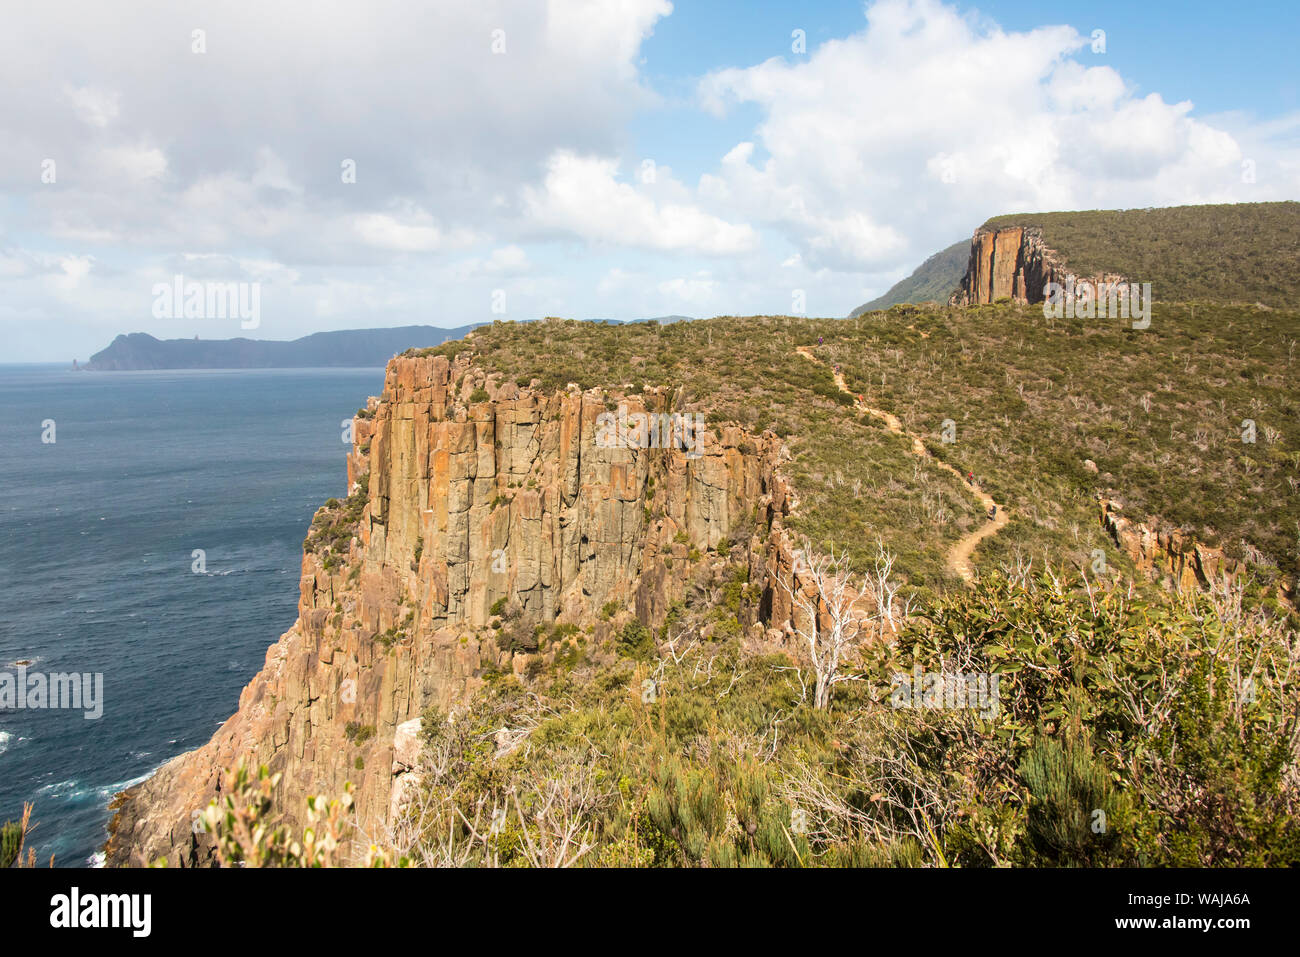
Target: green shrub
(11, 842)
(1072, 812)
(358, 733)
(635, 641)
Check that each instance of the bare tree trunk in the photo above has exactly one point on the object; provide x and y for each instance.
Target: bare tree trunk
(824, 586)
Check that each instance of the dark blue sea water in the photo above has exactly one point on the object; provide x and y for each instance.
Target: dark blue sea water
(97, 532)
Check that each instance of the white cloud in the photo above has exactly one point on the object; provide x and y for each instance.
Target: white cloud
(133, 163)
(614, 281)
(507, 259)
(883, 147)
(693, 291)
(23, 263)
(504, 262)
(75, 269)
(273, 173)
(583, 196)
(252, 133)
(92, 106)
(868, 155)
(599, 29)
(237, 152)
(219, 266)
(417, 235)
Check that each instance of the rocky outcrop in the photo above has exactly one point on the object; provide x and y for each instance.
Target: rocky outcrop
(1014, 262)
(1176, 558)
(468, 504)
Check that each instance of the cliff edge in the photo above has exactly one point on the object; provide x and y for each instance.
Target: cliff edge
(1013, 262)
(467, 493)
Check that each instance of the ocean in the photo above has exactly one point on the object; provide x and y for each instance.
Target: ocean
(98, 534)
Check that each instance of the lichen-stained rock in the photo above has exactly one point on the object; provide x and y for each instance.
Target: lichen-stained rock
(468, 503)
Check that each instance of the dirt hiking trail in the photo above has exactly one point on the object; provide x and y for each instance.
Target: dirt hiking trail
(959, 556)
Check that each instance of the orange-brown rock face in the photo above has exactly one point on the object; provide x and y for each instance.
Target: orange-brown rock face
(1175, 557)
(1013, 263)
(995, 269)
(1009, 263)
(469, 502)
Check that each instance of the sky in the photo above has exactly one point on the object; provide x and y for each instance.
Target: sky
(394, 163)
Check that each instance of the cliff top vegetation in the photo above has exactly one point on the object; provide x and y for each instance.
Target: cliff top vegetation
(1193, 421)
(1232, 252)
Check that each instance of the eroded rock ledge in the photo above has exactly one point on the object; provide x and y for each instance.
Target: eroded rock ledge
(1177, 559)
(468, 502)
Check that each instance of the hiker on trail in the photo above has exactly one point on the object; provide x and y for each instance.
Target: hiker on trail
(993, 513)
(820, 340)
(970, 478)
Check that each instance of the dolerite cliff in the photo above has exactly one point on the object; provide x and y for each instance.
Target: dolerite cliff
(1013, 263)
(1177, 559)
(468, 503)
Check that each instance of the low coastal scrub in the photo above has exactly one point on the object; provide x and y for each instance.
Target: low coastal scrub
(335, 524)
(13, 835)
(1193, 421)
(1115, 731)
(1121, 732)
(242, 825)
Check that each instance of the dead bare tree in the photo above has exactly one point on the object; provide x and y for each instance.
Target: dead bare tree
(884, 590)
(822, 590)
(557, 829)
(835, 614)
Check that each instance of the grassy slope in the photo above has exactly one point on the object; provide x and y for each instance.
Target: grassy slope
(934, 280)
(1159, 411)
(1244, 252)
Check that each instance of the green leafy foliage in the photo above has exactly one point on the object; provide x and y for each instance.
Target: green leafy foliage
(358, 733)
(635, 641)
(1119, 738)
(11, 842)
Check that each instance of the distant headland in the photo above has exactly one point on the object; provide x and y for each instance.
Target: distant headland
(346, 347)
